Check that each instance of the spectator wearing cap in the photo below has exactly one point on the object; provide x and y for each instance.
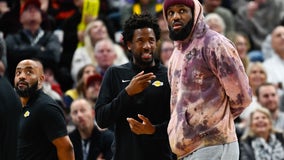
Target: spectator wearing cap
(48, 22)
(79, 90)
(10, 19)
(32, 41)
(93, 87)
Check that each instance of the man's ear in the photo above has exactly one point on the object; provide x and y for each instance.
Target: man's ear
(128, 44)
(41, 80)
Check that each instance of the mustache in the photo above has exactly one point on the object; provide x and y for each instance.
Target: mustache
(177, 23)
(22, 82)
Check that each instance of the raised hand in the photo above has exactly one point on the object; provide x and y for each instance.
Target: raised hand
(139, 82)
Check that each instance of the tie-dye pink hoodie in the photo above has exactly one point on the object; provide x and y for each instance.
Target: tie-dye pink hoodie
(209, 89)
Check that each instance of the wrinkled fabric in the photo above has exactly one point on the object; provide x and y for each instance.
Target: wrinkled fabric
(209, 89)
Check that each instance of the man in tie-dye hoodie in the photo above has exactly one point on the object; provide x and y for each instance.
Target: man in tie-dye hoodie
(209, 86)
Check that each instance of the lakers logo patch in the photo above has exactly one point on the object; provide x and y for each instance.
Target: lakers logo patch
(27, 113)
(157, 83)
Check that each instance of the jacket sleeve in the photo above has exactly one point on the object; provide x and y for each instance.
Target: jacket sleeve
(227, 66)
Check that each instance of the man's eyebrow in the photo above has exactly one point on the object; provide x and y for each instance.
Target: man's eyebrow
(28, 67)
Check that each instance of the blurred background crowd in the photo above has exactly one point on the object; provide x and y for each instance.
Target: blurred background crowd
(77, 40)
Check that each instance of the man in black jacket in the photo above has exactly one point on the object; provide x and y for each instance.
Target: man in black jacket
(134, 97)
(10, 107)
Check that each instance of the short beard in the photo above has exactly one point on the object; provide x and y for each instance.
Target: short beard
(183, 33)
(144, 64)
(27, 92)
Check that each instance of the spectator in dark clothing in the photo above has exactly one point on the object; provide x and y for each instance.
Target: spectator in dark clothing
(10, 21)
(261, 141)
(89, 141)
(32, 41)
(10, 107)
